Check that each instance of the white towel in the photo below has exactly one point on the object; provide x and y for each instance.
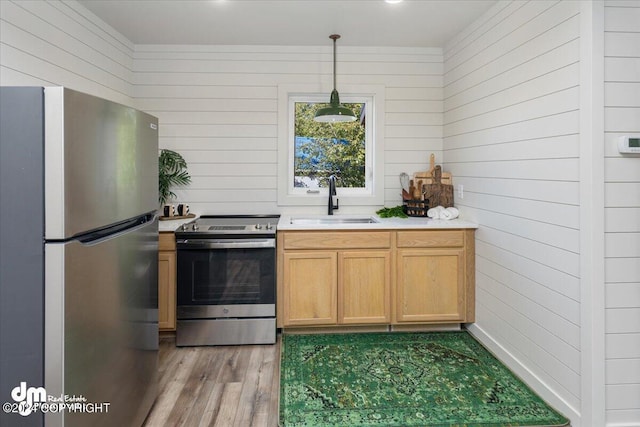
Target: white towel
(435, 213)
(446, 214)
(439, 212)
(451, 212)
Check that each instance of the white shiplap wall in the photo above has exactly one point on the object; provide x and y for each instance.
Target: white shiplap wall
(217, 106)
(511, 122)
(57, 43)
(622, 213)
(511, 137)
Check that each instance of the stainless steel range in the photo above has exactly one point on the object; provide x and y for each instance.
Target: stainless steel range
(227, 280)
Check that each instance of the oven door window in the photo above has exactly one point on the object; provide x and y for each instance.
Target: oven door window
(226, 276)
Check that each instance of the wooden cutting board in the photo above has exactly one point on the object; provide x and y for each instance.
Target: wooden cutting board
(439, 194)
(427, 176)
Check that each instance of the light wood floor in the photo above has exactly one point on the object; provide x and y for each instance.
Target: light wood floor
(223, 386)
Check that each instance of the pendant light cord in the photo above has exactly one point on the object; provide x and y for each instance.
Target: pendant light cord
(334, 37)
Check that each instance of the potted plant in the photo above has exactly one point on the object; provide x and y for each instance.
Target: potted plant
(172, 172)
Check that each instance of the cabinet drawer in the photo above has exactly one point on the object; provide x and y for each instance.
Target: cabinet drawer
(338, 240)
(430, 239)
(166, 242)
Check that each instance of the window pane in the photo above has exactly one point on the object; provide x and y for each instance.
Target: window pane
(324, 149)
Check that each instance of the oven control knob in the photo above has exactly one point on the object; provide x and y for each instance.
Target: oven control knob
(225, 311)
(184, 227)
(258, 226)
(269, 226)
(194, 227)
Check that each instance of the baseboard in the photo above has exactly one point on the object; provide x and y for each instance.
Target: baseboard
(167, 334)
(341, 329)
(334, 329)
(426, 327)
(520, 369)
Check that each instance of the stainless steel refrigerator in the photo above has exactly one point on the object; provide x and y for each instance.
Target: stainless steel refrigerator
(78, 258)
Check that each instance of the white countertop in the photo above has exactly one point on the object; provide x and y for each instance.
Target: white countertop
(171, 225)
(382, 224)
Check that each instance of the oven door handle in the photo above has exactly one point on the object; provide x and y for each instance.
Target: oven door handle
(225, 243)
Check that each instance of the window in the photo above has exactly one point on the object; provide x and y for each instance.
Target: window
(310, 152)
(324, 149)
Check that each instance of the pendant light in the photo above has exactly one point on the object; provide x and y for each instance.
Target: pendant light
(334, 112)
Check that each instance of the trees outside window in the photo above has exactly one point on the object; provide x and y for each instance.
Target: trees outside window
(324, 149)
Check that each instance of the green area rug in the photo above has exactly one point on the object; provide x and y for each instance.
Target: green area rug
(402, 379)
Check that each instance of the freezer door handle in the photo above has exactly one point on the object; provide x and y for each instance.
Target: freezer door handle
(97, 236)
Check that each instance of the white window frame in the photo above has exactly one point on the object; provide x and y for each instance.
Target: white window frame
(369, 145)
(373, 192)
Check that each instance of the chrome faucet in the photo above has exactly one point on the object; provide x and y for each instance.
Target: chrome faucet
(332, 192)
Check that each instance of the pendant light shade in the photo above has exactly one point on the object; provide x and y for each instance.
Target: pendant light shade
(335, 112)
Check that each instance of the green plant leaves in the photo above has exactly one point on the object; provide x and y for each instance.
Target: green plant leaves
(172, 172)
(391, 212)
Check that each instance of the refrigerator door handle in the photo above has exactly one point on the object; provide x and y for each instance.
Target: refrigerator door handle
(97, 236)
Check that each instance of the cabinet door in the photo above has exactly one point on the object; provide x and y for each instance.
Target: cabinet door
(364, 288)
(167, 290)
(311, 286)
(430, 285)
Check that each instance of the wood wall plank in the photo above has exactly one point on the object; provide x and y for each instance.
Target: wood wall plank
(623, 295)
(621, 69)
(52, 43)
(565, 192)
(623, 371)
(623, 417)
(624, 44)
(623, 396)
(622, 94)
(619, 270)
(622, 219)
(541, 127)
(622, 245)
(623, 320)
(623, 346)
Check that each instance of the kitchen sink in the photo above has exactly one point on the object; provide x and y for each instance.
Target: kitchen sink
(329, 220)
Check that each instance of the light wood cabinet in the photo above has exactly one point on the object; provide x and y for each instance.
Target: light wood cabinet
(435, 276)
(430, 285)
(334, 285)
(364, 287)
(167, 282)
(385, 277)
(336, 240)
(311, 298)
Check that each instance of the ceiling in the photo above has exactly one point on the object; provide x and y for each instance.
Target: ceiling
(411, 23)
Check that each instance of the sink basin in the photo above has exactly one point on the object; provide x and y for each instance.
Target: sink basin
(333, 220)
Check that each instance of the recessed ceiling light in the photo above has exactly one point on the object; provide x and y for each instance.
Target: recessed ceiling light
(393, 1)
